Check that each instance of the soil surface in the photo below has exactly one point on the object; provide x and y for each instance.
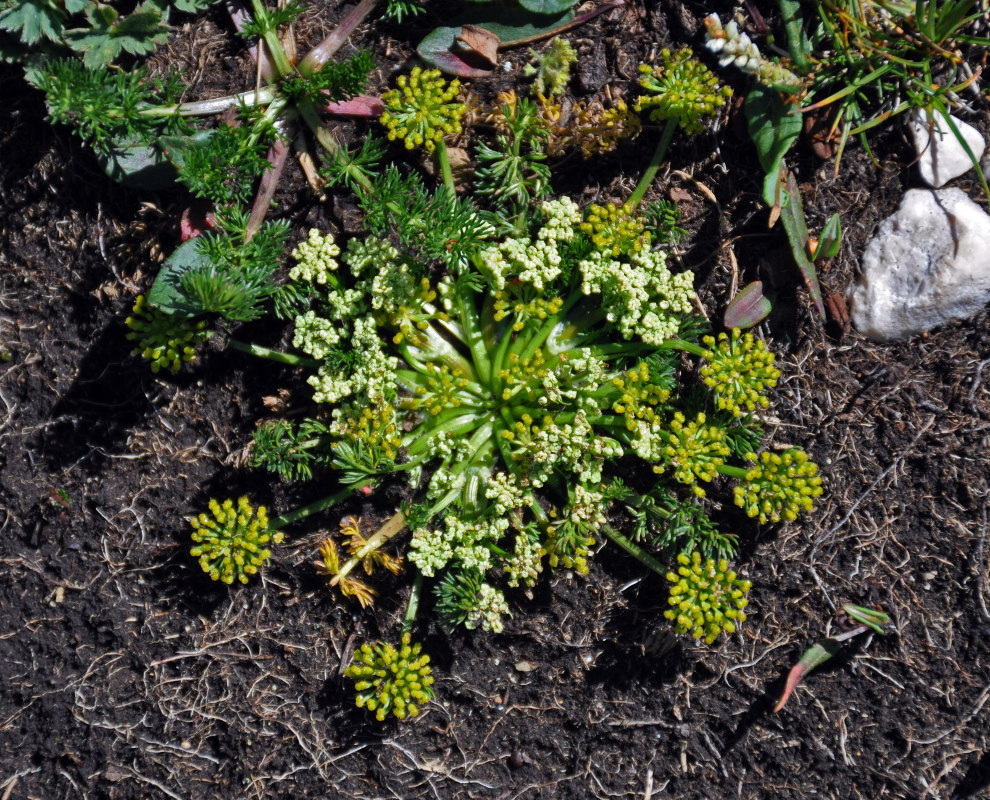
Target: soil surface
(128, 674)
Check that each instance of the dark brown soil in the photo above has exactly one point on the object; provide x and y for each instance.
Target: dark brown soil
(128, 674)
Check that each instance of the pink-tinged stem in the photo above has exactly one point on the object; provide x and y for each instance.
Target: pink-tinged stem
(238, 16)
(324, 51)
(278, 154)
(362, 106)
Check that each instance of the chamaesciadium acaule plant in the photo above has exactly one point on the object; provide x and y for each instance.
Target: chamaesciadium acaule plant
(514, 367)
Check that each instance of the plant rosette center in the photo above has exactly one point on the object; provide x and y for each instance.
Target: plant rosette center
(506, 388)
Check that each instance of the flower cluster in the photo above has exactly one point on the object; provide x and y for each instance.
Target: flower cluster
(696, 450)
(739, 370)
(733, 47)
(231, 540)
(681, 89)
(779, 486)
(316, 258)
(164, 340)
(615, 229)
(420, 111)
(707, 597)
(390, 681)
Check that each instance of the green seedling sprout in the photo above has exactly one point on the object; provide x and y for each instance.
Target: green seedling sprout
(868, 619)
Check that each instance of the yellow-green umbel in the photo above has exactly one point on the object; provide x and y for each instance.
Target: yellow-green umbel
(421, 110)
(681, 89)
(707, 597)
(739, 370)
(615, 228)
(778, 486)
(696, 451)
(231, 540)
(391, 681)
(162, 339)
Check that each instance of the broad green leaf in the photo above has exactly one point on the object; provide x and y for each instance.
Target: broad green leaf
(771, 125)
(166, 293)
(792, 216)
(439, 48)
(138, 165)
(547, 6)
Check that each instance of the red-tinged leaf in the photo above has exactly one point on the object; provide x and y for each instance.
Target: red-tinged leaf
(748, 308)
(195, 220)
(792, 216)
(362, 105)
(812, 658)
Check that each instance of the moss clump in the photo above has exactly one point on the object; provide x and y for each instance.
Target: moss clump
(231, 540)
(707, 597)
(391, 681)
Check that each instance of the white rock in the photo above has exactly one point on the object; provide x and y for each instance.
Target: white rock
(940, 156)
(929, 263)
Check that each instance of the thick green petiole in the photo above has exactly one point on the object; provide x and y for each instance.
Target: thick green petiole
(651, 170)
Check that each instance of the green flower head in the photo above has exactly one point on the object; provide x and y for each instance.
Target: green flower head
(696, 450)
(164, 340)
(231, 540)
(779, 485)
(391, 681)
(738, 371)
(616, 230)
(421, 111)
(707, 597)
(683, 89)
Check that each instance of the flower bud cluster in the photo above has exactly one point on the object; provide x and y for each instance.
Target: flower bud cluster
(707, 597)
(615, 229)
(230, 540)
(696, 450)
(164, 340)
(316, 258)
(639, 396)
(488, 609)
(524, 565)
(739, 370)
(391, 681)
(733, 47)
(779, 486)
(681, 89)
(421, 110)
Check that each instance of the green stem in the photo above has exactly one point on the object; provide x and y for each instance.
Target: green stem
(732, 472)
(634, 550)
(654, 165)
(444, 160)
(687, 347)
(412, 607)
(314, 508)
(273, 355)
(280, 61)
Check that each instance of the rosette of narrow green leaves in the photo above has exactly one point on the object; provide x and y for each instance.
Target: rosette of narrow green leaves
(696, 450)
(682, 89)
(739, 370)
(231, 540)
(162, 339)
(616, 229)
(391, 681)
(706, 597)
(421, 110)
(779, 485)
